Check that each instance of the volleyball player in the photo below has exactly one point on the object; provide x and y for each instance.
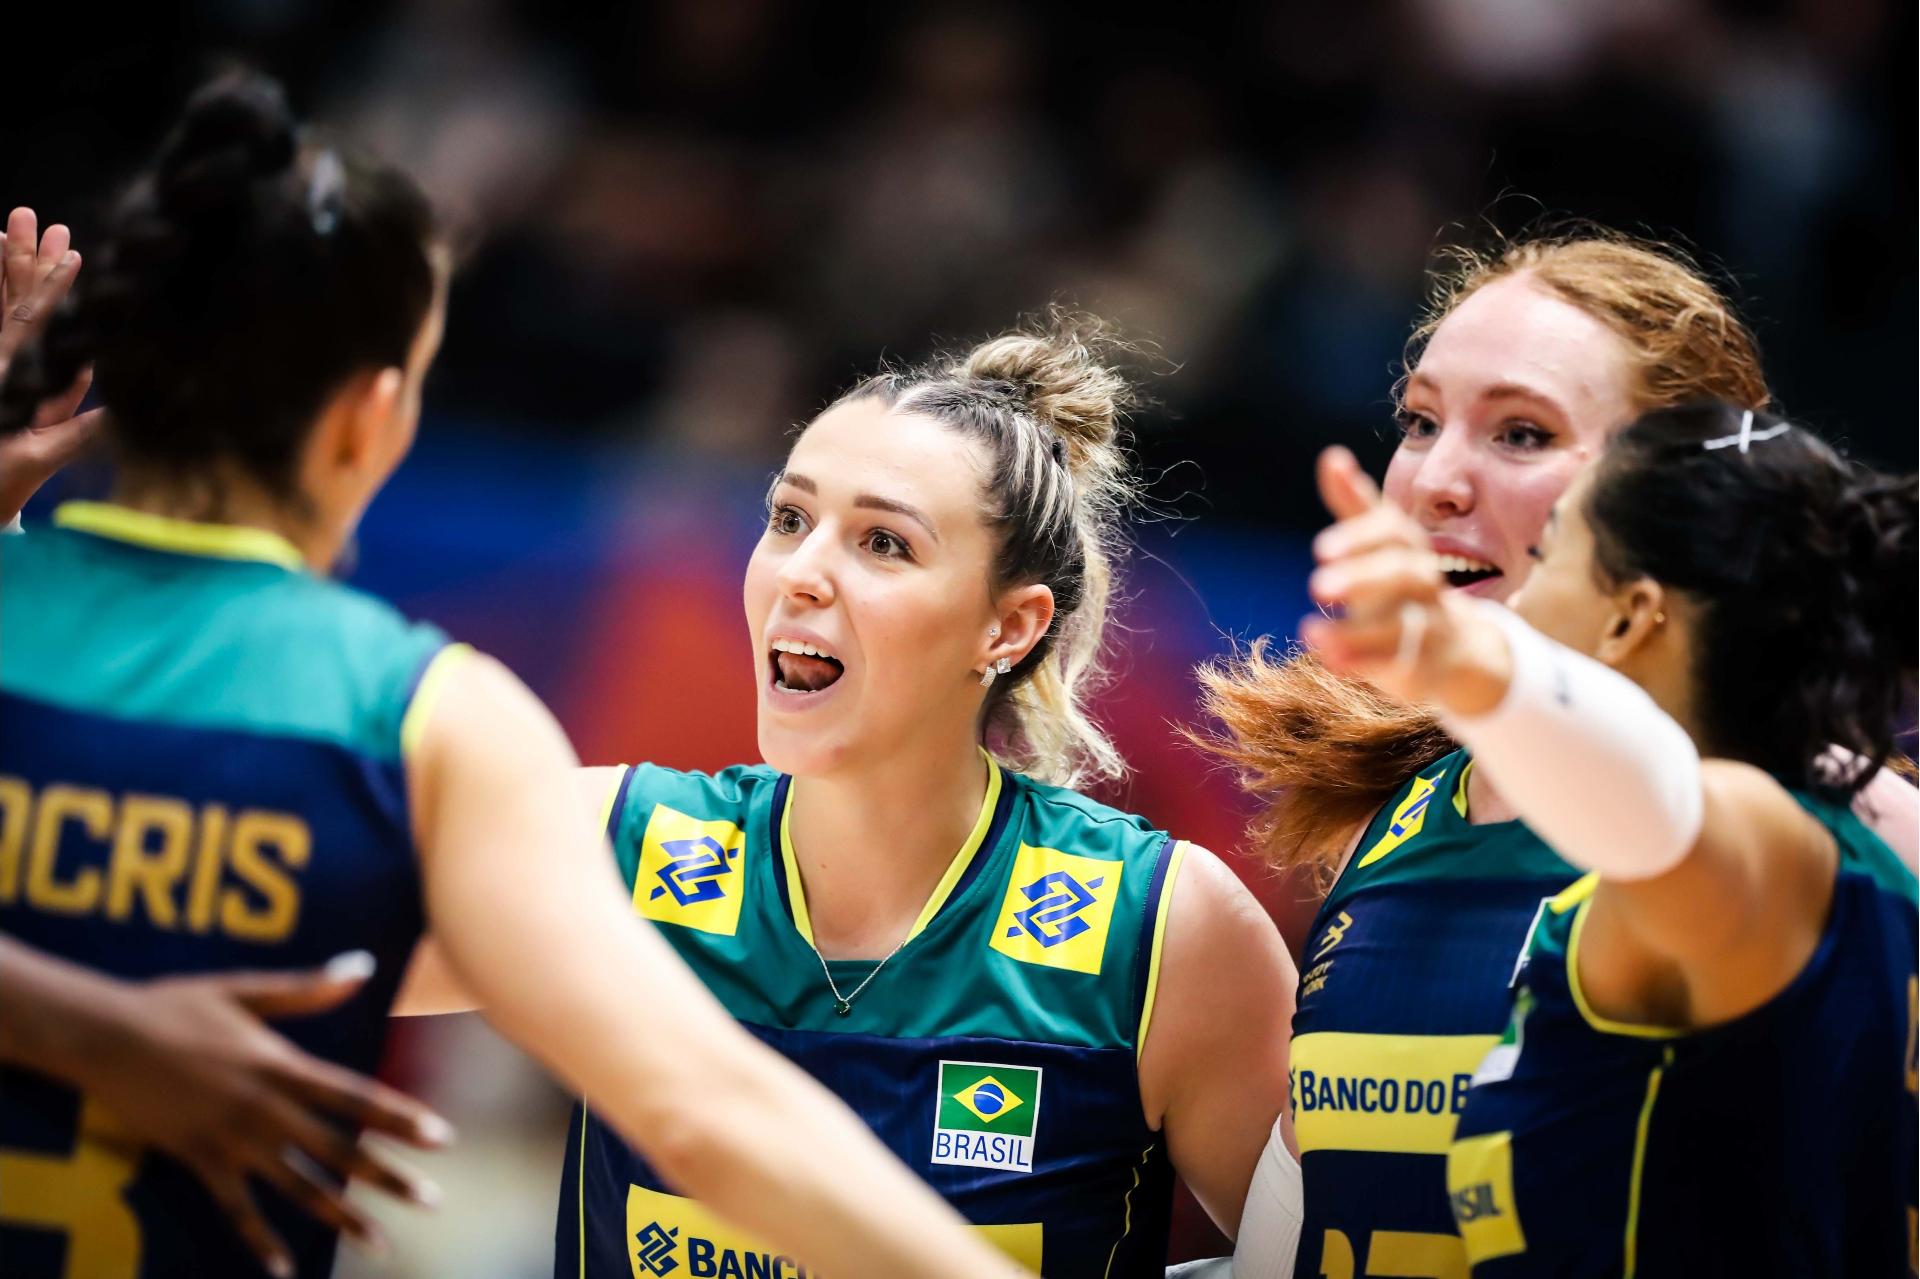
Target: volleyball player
(214, 758)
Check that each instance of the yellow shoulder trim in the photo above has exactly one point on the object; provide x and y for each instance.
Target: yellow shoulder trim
(433, 682)
(1174, 863)
(1605, 1025)
(1575, 893)
(185, 537)
(1460, 790)
(796, 891)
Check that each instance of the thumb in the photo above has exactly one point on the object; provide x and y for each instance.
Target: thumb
(1344, 487)
(300, 993)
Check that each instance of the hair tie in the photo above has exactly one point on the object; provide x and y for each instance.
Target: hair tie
(1745, 439)
(325, 192)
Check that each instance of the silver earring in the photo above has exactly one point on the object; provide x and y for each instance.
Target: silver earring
(993, 632)
(1000, 667)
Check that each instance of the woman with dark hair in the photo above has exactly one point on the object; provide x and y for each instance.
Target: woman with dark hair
(1709, 1068)
(213, 758)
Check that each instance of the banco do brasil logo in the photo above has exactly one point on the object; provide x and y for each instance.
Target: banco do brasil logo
(653, 1251)
(695, 870)
(1058, 902)
(985, 1115)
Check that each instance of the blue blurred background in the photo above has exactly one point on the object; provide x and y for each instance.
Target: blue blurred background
(687, 224)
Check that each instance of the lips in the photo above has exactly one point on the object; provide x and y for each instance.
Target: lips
(802, 666)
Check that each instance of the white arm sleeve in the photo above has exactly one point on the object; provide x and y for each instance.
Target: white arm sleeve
(1587, 759)
(1270, 1224)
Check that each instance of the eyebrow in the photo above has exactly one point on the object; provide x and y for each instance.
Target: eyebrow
(1498, 391)
(867, 501)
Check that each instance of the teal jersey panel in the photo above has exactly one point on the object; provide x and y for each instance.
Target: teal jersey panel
(1779, 1144)
(1405, 985)
(200, 770)
(99, 625)
(995, 1053)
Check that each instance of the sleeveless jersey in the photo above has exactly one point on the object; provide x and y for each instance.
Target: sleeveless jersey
(1405, 984)
(996, 1053)
(200, 769)
(1781, 1143)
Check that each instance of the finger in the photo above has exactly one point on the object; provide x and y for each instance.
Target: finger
(1383, 525)
(366, 1102)
(23, 241)
(341, 1154)
(57, 441)
(60, 408)
(301, 992)
(54, 245)
(229, 1191)
(1344, 487)
(1354, 648)
(1378, 580)
(299, 1179)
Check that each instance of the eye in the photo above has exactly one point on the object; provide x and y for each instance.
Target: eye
(1525, 436)
(1415, 425)
(888, 546)
(785, 521)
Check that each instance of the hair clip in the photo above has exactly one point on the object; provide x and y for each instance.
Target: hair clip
(326, 190)
(1744, 440)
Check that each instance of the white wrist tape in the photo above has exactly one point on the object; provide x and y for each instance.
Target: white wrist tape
(1270, 1224)
(1587, 759)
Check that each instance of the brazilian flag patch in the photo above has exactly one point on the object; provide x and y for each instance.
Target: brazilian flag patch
(985, 1115)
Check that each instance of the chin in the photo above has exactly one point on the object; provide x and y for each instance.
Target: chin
(800, 754)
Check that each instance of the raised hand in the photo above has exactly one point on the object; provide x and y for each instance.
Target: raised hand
(36, 272)
(1388, 616)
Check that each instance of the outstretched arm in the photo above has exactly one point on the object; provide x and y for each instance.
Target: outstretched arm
(38, 271)
(524, 898)
(1715, 883)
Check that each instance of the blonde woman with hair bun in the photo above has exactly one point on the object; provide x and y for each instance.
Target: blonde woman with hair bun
(1017, 987)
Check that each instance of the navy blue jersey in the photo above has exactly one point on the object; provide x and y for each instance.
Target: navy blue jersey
(1780, 1144)
(1405, 984)
(997, 1053)
(200, 768)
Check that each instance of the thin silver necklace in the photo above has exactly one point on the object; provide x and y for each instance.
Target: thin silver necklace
(843, 1004)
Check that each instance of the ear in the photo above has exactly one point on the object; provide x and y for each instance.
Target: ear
(1636, 619)
(1023, 615)
(367, 407)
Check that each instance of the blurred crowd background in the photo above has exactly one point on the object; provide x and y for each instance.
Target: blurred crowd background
(687, 224)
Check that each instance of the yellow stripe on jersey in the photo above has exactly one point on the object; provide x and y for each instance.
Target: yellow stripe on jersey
(1174, 862)
(1575, 893)
(433, 682)
(1409, 816)
(613, 793)
(1460, 790)
(1393, 1094)
(184, 537)
(1632, 1242)
(1605, 1025)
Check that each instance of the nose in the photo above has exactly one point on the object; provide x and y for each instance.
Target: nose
(1443, 486)
(806, 576)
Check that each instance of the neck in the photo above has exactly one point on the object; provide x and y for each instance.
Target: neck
(227, 495)
(872, 844)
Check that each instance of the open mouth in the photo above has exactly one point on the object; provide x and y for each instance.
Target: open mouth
(803, 668)
(1460, 570)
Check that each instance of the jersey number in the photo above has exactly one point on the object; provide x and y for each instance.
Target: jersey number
(81, 1194)
(1395, 1254)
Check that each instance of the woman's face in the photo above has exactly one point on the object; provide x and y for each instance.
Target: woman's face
(1515, 393)
(1562, 597)
(877, 558)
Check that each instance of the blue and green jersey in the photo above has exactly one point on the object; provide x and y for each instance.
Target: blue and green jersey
(1780, 1144)
(202, 767)
(997, 1053)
